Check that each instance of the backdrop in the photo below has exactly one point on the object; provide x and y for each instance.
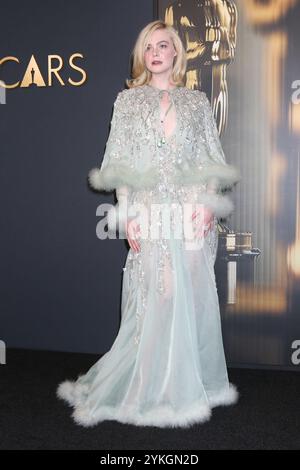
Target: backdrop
(60, 285)
(62, 65)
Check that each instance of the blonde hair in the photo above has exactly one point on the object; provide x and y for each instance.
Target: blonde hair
(140, 74)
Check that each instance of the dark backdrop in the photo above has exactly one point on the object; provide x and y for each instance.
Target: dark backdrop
(60, 285)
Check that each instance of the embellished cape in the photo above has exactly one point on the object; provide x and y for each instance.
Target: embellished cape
(130, 157)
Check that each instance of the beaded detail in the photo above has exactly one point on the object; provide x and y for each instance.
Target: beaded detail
(135, 137)
(159, 170)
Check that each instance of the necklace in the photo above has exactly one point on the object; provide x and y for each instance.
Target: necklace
(162, 140)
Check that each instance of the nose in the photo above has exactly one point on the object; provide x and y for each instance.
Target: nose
(155, 51)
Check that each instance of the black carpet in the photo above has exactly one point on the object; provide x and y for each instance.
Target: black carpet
(31, 417)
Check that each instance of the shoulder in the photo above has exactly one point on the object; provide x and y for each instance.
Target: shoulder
(123, 101)
(128, 93)
(121, 96)
(202, 101)
(195, 94)
(125, 98)
(199, 94)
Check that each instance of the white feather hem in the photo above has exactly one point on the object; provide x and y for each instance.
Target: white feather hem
(161, 416)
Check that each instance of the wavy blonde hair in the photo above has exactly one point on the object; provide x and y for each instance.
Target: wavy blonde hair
(140, 74)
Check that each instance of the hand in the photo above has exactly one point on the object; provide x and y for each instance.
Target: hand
(132, 233)
(208, 219)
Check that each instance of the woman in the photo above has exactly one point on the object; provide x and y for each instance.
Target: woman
(167, 365)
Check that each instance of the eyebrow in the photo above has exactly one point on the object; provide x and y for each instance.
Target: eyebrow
(163, 40)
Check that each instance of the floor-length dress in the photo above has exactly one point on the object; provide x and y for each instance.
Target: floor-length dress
(166, 366)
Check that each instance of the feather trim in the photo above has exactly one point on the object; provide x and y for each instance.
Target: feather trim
(114, 176)
(76, 395)
(220, 205)
(227, 175)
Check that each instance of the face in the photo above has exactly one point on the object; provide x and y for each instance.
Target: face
(159, 52)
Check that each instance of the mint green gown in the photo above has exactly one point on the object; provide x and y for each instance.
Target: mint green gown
(167, 365)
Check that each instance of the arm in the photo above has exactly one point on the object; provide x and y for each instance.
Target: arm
(117, 216)
(221, 176)
(115, 170)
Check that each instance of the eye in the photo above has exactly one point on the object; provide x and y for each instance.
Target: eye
(163, 45)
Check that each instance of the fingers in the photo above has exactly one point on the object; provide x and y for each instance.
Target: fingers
(204, 224)
(132, 232)
(133, 243)
(202, 230)
(207, 216)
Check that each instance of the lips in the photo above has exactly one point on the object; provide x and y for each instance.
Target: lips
(156, 62)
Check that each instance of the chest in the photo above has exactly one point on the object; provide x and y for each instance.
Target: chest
(167, 115)
(162, 116)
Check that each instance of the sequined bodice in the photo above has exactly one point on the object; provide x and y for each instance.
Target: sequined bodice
(167, 152)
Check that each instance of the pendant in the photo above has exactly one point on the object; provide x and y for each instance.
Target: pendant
(161, 141)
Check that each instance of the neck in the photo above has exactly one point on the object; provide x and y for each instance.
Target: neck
(161, 83)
